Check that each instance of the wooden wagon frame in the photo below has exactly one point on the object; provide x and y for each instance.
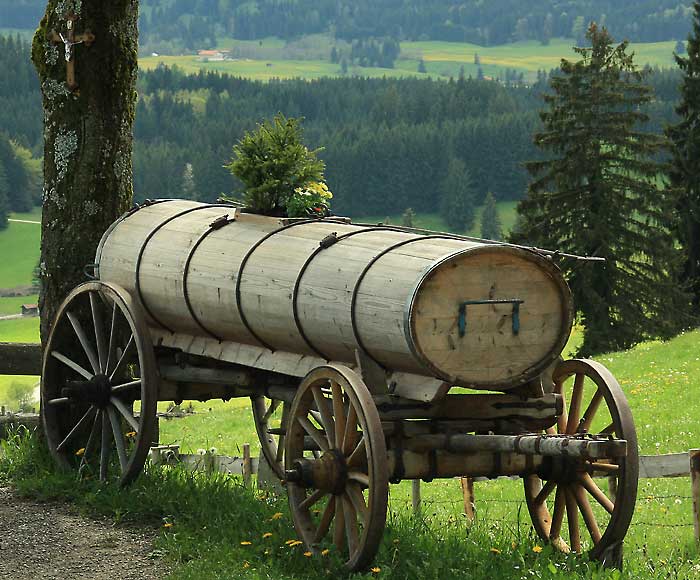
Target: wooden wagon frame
(338, 431)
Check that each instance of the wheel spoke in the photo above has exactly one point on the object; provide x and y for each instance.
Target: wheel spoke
(357, 454)
(588, 517)
(314, 433)
(118, 389)
(590, 412)
(558, 515)
(339, 525)
(312, 499)
(122, 359)
(76, 428)
(358, 501)
(545, 492)
(105, 448)
(112, 345)
(274, 403)
(126, 413)
(82, 337)
(118, 438)
(572, 520)
(597, 493)
(326, 419)
(359, 477)
(59, 401)
(338, 414)
(562, 420)
(610, 429)
(609, 468)
(575, 407)
(351, 532)
(279, 452)
(92, 439)
(326, 519)
(73, 365)
(99, 329)
(350, 429)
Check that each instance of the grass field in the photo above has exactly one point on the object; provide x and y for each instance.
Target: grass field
(21, 241)
(442, 59)
(434, 221)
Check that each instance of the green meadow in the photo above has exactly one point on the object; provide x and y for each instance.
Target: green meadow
(270, 59)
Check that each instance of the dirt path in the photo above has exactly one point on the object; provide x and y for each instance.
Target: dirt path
(51, 542)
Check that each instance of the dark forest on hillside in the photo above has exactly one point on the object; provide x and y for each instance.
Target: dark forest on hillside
(193, 23)
(387, 142)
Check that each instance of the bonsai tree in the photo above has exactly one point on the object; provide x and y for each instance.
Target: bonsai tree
(280, 174)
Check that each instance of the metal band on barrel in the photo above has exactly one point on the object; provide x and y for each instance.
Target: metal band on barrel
(249, 253)
(152, 233)
(297, 283)
(356, 289)
(210, 229)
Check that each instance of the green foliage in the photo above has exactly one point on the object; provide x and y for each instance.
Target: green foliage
(458, 202)
(272, 162)
(685, 152)
(597, 192)
(491, 228)
(408, 218)
(4, 200)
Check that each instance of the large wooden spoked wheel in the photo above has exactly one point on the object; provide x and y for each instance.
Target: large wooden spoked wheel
(568, 504)
(336, 465)
(99, 385)
(270, 416)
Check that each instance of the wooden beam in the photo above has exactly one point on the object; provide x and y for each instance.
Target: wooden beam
(695, 486)
(20, 359)
(656, 466)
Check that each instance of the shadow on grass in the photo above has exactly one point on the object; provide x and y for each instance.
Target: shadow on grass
(213, 527)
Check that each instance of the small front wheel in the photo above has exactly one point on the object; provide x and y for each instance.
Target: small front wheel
(336, 465)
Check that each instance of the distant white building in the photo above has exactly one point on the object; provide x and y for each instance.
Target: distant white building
(212, 55)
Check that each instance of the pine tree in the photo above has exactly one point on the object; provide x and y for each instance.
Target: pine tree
(4, 201)
(685, 150)
(458, 198)
(597, 193)
(491, 228)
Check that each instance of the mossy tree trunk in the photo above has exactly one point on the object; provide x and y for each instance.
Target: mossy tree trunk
(87, 137)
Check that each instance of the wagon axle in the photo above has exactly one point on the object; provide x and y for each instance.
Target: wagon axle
(328, 473)
(96, 391)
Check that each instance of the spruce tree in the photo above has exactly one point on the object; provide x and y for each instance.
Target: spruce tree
(685, 153)
(491, 228)
(458, 197)
(596, 192)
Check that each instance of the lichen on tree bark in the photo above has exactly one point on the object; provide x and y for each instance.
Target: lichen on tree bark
(88, 135)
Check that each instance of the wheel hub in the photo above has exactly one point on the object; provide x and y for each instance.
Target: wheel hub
(97, 391)
(560, 469)
(328, 473)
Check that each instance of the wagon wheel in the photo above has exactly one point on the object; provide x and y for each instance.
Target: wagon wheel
(99, 385)
(270, 416)
(596, 405)
(346, 486)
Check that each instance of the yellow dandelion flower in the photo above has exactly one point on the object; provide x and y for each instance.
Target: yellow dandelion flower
(167, 525)
(80, 452)
(375, 570)
(325, 552)
(276, 516)
(495, 551)
(290, 542)
(246, 564)
(537, 549)
(246, 543)
(308, 554)
(296, 543)
(131, 434)
(267, 535)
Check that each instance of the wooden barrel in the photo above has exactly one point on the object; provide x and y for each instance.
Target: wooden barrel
(486, 316)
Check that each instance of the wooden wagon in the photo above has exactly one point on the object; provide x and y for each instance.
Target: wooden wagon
(372, 354)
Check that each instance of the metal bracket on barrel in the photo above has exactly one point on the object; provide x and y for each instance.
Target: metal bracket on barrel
(462, 321)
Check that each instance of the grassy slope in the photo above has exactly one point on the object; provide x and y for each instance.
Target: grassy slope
(21, 241)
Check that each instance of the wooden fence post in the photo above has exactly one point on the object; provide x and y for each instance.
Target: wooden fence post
(415, 496)
(694, 455)
(246, 465)
(468, 495)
